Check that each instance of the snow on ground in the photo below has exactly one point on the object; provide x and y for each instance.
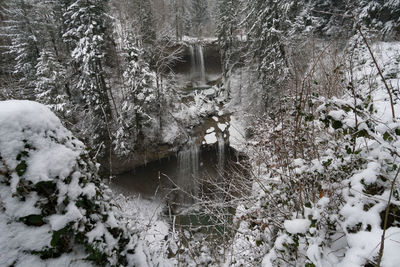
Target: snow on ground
(144, 216)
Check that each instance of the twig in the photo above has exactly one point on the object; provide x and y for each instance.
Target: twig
(358, 27)
(386, 219)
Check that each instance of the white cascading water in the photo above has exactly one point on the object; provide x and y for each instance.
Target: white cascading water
(193, 70)
(198, 71)
(221, 151)
(201, 64)
(188, 171)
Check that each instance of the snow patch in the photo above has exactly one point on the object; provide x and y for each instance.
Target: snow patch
(210, 138)
(297, 226)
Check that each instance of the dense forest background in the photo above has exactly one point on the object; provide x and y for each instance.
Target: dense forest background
(316, 83)
(107, 63)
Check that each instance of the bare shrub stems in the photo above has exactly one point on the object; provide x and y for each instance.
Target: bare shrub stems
(378, 68)
(386, 219)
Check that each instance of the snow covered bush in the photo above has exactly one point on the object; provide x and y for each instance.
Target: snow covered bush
(327, 188)
(54, 207)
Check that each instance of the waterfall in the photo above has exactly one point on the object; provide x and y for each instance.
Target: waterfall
(221, 151)
(193, 62)
(188, 170)
(201, 62)
(198, 70)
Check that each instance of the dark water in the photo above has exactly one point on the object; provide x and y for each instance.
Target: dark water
(160, 179)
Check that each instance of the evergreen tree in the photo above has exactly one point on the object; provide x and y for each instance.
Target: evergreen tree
(23, 29)
(266, 38)
(272, 26)
(50, 83)
(325, 14)
(86, 22)
(145, 19)
(182, 20)
(228, 35)
(138, 102)
(30, 26)
(200, 15)
(381, 15)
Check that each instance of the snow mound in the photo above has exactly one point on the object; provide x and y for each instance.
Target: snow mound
(54, 208)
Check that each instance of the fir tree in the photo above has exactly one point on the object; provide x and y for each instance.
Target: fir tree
(228, 35)
(146, 20)
(86, 22)
(383, 16)
(267, 44)
(272, 26)
(182, 21)
(138, 103)
(200, 15)
(50, 83)
(23, 29)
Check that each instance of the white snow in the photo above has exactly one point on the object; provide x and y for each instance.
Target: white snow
(29, 126)
(237, 134)
(297, 226)
(58, 222)
(222, 126)
(210, 138)
(144, 217)
(96, 233)
(210, 130)
(50, 161)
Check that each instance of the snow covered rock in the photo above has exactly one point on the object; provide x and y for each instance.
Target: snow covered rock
(54, 208)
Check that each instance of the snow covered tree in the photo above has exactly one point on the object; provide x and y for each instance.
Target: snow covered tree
(200, 15)
(23, 29)
(381, 15)
(228, 31)
(29, 27)
(86, 33)
(138, 102)
(145, 20)
(272, 27)
(267, 44)
(50, 83)
(329, 17)
(182, 21)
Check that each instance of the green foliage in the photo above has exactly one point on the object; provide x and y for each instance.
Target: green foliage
(92, 207)
(46, 188)
(21, 168)
(33, 220)
(96, 256)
